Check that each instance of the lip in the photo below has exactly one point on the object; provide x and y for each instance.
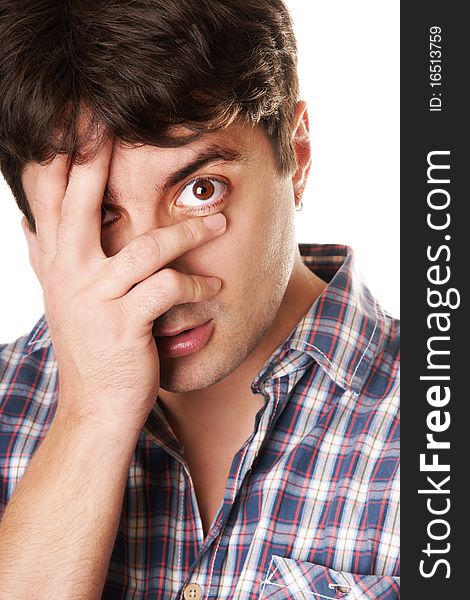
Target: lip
(183, 342)
(172, 332)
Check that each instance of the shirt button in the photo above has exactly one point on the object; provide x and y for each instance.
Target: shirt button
(342, 589)
(192, 591)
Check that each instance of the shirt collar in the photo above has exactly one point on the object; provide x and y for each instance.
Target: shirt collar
(38, 338)
(343, 331)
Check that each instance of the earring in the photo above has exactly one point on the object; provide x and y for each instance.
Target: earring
(301, 204)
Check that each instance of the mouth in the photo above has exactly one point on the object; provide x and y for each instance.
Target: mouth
(182, 342)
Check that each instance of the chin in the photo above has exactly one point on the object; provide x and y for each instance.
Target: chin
(207, 367)
(184, 384)
(195, 372)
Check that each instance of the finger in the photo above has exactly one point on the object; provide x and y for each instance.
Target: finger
(158, 293)
(45, 187)
(151, 251)
(80, 220)
(33, 249)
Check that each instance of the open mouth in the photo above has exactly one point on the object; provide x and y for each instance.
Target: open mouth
(184, 342)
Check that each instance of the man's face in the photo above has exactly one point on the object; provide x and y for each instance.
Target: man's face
(254, 257)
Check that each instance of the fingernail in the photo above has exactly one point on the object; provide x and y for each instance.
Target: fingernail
(214, 282)
(215, 222)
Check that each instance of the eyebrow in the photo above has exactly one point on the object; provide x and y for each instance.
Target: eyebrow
(211, 154)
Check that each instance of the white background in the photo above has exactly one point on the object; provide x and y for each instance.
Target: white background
(349, 70)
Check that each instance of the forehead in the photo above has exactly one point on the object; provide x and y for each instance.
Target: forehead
(141, 170)
(248, 142)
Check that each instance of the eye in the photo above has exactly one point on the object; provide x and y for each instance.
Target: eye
(204, 191)
(108, 215)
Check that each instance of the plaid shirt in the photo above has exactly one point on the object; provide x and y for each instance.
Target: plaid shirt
(311, 503)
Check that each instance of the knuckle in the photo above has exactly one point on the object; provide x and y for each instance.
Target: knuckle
(192, 233)
(127, 312)
(198, 287)
(168, 281)
(144, 248)
(147, 248)
(116, 266)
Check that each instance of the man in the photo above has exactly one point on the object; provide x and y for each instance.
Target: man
(202, 412)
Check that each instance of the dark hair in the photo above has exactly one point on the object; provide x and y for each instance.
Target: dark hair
(139, 67)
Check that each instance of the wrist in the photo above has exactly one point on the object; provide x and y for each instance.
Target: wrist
(96, 435)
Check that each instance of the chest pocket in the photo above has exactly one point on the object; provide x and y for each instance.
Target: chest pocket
(288, 578)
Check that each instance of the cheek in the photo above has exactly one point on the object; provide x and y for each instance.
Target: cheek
(254, 254)
(268, 241)
(226, 257)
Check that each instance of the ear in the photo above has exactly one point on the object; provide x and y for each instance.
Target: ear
(33, 246)
(302, 148)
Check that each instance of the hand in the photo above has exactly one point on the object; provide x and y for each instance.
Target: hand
(100, 310)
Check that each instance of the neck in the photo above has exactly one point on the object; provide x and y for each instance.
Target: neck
(204, 406)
